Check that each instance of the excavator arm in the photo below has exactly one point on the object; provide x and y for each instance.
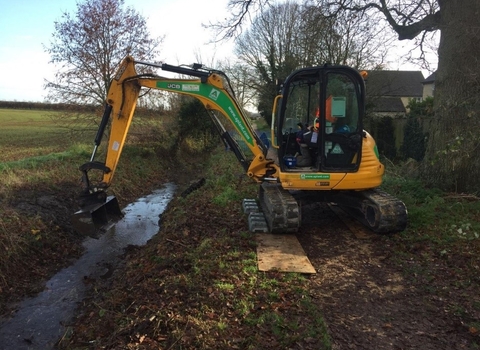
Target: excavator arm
(210, 87)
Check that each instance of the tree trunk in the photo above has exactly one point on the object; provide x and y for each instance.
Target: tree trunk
(453, 160)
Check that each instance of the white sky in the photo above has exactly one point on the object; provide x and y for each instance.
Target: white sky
(26, 26)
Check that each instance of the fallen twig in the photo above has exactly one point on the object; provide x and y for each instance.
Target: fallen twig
(172, 241)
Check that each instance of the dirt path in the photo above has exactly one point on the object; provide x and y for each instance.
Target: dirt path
(368, 303)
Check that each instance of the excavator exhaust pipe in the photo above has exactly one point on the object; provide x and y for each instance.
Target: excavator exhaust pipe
(95, 219)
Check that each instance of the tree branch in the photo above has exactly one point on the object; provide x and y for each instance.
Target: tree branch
(428, 23)
(232, 26)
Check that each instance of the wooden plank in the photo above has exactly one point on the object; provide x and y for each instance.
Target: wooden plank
(281, 252)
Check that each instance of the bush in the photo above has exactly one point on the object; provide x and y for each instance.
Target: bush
(414, 139)
(384, 134)
(413, 145)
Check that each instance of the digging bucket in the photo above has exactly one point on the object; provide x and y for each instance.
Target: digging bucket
(95, 219)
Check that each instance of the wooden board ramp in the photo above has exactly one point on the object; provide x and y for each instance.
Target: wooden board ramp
(281, 252)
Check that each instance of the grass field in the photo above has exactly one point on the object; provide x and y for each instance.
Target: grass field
(32, 133)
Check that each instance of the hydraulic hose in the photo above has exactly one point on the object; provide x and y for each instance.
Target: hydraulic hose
(101, 129)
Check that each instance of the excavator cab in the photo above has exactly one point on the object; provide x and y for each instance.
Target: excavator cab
(325, 106)
(333, 159)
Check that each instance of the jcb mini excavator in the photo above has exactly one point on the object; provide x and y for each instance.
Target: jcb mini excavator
(333, 160)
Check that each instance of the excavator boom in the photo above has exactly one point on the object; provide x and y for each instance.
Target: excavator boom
(209, 86)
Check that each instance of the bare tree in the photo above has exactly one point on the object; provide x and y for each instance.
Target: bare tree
(240, 76)
(87, 47)
(287, 36)
(355, 40)
(452, 160)
(240, 13)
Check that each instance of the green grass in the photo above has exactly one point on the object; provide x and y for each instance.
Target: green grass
(441, 218)
(36, 161)
(33, 133)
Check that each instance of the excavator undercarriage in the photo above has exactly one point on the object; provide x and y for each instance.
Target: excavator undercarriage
(377, 210)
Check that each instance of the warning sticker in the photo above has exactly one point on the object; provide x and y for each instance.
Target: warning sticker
(336, 149)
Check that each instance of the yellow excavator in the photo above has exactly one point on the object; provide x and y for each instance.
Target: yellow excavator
(318, 150)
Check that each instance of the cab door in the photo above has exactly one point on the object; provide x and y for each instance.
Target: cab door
(328, 103)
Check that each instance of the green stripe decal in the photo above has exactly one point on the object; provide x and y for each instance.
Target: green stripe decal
(375, 150)
(216, 96)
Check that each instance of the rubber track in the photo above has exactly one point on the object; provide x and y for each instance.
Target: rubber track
(381, 212)
(280, 208)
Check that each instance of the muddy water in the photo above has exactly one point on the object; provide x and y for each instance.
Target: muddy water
(40, 321)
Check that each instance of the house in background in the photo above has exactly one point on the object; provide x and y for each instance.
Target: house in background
(389, 92)
(388, 95)
(429, 86)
